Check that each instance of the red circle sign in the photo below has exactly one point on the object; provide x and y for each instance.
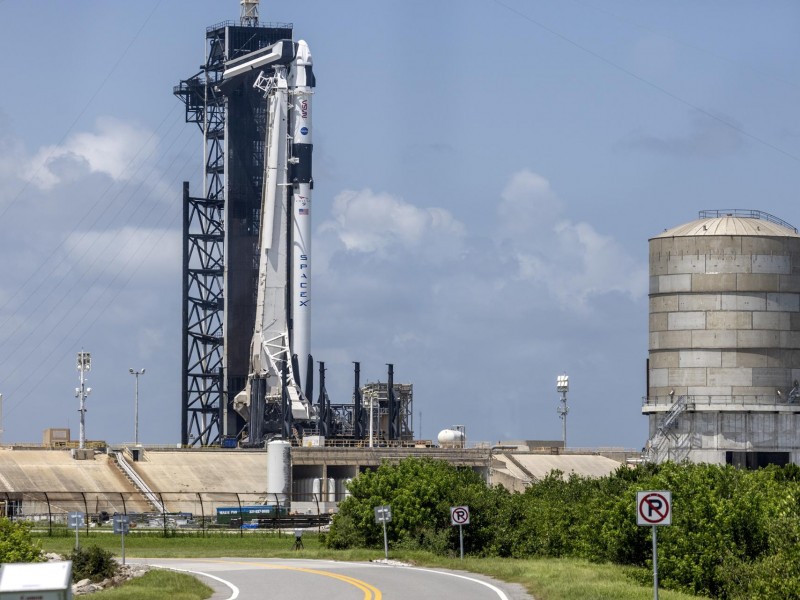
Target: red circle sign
(654, 508)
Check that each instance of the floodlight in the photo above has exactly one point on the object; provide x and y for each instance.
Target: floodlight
(562, 383)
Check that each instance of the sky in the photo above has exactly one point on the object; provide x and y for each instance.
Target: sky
(487, 176)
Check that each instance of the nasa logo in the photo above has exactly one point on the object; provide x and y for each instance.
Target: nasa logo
(304, 109)
(304, 130)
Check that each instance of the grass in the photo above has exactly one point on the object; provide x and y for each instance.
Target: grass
(545, 579)
(562, 579)
(159, 584)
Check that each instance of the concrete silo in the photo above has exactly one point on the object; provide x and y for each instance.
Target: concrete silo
(724, 350)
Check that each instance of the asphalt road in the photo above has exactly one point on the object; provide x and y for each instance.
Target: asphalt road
(254, 578)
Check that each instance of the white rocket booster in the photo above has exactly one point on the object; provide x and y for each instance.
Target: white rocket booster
(283, 306)
(301, 81)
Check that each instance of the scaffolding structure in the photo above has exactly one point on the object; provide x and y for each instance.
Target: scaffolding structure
(220, 233)
(377, 396)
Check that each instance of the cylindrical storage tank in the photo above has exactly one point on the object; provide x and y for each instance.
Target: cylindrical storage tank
(451, 437)
(331, 489)
(279, 472)
(724, 327)
(316, 489)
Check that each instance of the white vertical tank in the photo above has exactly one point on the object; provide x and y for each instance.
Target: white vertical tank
(331, 489)
(279, 471)
(316, 489)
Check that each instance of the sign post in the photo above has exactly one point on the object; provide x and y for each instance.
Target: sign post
(383, 514)
(122, 526)
(459, 515)
(75, 519)
(654, 509)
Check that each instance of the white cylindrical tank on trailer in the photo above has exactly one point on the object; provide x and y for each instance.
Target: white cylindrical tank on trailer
(279, 471)
(316, 489)
(331, 489)
(451, 437)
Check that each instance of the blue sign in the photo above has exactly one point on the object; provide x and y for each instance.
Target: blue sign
(304, 130)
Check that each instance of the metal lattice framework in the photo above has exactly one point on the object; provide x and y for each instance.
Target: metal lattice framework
(232, 129)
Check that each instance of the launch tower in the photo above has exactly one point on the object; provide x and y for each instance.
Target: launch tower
(219, 293)
(247, 283)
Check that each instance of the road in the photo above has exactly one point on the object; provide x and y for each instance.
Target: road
(259, 578)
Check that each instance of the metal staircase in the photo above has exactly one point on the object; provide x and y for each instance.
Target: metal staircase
(664, 438)
(138, 482)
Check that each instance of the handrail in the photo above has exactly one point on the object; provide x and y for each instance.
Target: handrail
(745, 213)
(139, 483)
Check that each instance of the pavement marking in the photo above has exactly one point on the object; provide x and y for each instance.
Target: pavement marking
(370, 591)
(234, 589)
(494, 588)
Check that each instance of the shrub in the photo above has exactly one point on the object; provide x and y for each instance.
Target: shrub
(92, 563)
(16, 544)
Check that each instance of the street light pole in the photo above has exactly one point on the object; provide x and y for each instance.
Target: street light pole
(562, 386)
(84, 364)
(136, 405)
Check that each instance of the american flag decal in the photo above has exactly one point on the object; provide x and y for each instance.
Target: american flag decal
(303, 211)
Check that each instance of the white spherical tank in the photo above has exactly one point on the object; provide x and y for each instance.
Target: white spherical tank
(450, 437)
(279, 471)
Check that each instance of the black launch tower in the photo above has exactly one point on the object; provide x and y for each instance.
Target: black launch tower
(220, 233)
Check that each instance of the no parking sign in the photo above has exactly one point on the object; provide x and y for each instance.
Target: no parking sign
(654, 508)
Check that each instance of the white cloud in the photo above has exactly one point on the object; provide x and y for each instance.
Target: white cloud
(115, 149)
(369, 222)
(528, 204)
(572, 260)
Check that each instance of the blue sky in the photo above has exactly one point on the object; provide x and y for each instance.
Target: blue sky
(487, 175)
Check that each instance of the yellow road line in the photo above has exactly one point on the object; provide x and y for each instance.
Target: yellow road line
(370, 591)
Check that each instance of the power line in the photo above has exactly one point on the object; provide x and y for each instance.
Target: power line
(647, 82)
(146, 242)
(106, 206)
(684, 43)
(85, 107)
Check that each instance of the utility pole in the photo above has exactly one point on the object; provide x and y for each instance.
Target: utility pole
(562, 386)
(84, 364)
(136, 404)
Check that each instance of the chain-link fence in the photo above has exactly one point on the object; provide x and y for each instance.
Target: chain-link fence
(169, 513)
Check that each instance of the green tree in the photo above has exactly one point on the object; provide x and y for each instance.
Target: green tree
(420, 492)
(16, 544)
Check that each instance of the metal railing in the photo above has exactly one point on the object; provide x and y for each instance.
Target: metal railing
(721, 400)
(747, 214)
(186, 513)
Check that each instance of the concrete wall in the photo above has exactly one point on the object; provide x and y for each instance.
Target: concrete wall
(724, 332)
(724, 317)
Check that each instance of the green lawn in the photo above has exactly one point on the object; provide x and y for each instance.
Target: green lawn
(545, 579)
(158, 584)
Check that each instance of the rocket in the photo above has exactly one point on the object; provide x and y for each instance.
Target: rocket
(301, 184)
(281, 365)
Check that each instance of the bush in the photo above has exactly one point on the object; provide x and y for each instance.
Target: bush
(16, 544)
(735, 534)
(420, 492)
(92, 563)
